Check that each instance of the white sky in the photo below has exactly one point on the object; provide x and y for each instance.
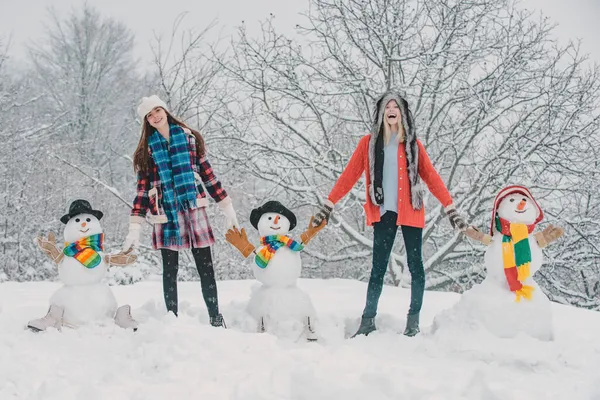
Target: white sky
(23, 20)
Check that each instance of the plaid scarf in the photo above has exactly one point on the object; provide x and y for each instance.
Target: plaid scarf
(86, 249)
(271, 244)
(176, 176)
(516, 255)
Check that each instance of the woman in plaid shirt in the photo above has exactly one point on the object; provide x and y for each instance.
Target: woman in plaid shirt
(172, 167)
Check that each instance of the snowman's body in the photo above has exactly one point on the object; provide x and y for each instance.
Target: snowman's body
(495, 266)
(492, 304)
(283, 270)
(72, 273)
(83, 296)
(278, 304)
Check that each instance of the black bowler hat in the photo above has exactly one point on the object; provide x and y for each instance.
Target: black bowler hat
(272, 207)
(80, 207)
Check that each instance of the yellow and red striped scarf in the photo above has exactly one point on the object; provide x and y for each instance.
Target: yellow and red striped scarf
(86, 249)
(516, 256)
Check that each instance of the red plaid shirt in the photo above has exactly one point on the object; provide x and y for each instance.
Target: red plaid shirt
(150, 179)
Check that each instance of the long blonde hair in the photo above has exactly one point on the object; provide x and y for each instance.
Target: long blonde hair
(141, 154)
(387, 132)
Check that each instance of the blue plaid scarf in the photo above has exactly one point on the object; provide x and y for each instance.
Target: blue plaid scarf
(176, 177)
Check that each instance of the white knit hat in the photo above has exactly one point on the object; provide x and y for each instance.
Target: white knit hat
(148, 103)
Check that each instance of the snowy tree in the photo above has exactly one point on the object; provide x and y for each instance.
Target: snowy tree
(86, 69)
(17, 167)
(69, 131)
(496, 101)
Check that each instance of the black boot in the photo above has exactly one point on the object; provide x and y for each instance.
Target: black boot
(412, 325)
(218, 321)
(367, 325)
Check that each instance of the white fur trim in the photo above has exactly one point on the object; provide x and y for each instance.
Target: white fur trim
(157, 219)
(136, 219)
(202, 202)
(226, 202)
(449, 208)
(147, 104)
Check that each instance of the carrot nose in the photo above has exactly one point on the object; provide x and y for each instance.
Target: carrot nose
(521, 205)
(276, 218)
(83, 225)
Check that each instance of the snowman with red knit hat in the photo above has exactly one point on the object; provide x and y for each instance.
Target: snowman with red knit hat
(509, 301)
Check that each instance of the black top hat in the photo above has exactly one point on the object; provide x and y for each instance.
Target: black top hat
(80, 207)
(272, 207)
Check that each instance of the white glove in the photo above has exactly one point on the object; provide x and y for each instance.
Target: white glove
(132, 240)
(229, 212)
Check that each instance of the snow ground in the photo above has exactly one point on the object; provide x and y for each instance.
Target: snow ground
(185, 358)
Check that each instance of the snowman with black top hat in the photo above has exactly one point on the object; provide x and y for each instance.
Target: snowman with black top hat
(278, 305)
(82, 264)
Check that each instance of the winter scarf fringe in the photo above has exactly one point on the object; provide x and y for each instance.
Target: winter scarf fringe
(271, 244)
(86, 249)
(176, 176)
(376, 152)
(516, 256)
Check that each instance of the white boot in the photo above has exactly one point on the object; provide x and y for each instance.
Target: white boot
(311, 335)
(124, 319)
(53, 319)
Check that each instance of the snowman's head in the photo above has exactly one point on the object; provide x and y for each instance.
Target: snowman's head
(272, 223)
(518, 208)
(80, 226)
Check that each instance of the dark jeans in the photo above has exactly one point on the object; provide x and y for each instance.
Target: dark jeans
(203, 259)
(383, 241)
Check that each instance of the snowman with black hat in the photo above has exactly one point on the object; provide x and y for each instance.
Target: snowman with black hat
(278, 304)
(82, 264)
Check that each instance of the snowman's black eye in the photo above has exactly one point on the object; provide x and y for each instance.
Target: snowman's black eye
(77, 219)
(88, 219)
(512, 200)
(524, 199)
(270, 218)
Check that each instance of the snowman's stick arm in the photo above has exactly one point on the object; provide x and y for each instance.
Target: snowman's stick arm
(239, 240)
(548, 235)
(48, 246)
(477, 235)
(120, 259)
(312, 230)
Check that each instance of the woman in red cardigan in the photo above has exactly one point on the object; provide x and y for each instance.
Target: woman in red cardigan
(394, 161)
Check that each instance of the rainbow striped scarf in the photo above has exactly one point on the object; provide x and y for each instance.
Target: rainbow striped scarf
(86, 249)
(271, 244)
(516, 256)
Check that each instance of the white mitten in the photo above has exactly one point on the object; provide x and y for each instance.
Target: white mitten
(226, 207)
(132, 240)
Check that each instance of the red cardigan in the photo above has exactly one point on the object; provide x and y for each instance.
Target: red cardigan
(407, 215)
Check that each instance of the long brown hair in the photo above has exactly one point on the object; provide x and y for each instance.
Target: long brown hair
(141, 155)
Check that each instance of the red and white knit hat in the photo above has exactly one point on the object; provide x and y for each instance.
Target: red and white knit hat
(508, 191)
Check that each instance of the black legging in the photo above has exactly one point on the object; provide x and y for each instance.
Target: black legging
(203, 259)
(383, 241)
